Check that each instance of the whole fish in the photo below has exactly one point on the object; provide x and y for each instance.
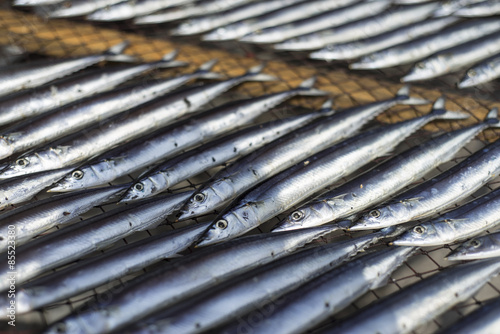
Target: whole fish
(449, 7)
(129, 9)
(182, 279)
(436, 194)
(282, 16)
(205, 127)
(102, 269)
(335, 163)
(363, 47)
(423, 47)
(22, 76)
(484, 8)
(213, 154)
(290, 150)
(73, 8)
(482, 247)
(405, 310)
(326, 20)
(452, 60)
(379, 183)
(73, 242)
(69, 119)
(318, 299)
(486, 71)
(368, 27)
(44, 98)
(441, 231)
(257, 287)
(210, 22)
(483, 320)
(23, 188)
(32, 219)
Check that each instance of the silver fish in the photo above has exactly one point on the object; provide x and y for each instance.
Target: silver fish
(44, 98)
(37, 217)
(484, 8)
(335, 163)
(22, 76)
(208, 126)
(35, 2)
(477, 248)
(206, 23)
(317, 300)
(405, 310)
(257, 287)
(454, 59)
(130, 9)
(451, 6)
(486, 71)
(381, 182)
(289, 151)
(102, 269)
(363, 47)
(73, 242)
(73, 8)
(290, 14)
(179, 280)
(69, 119)
(324, 21)
(368, 27)
(437, 194)
(423, 47)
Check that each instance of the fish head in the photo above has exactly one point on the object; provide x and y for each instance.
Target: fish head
(475, 76)
(305, 42)
(226, 227)
(375, 219)
(77, 179)
(22, 166)
(337, 51)
(374, 60)
(429, 68)
(192, 26)
(470, 250)
(201, 203)
(300, 218)
(138, 190)
(269, 35)
(419, 235)
(227, 33)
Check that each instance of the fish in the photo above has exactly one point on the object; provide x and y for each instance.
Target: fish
(213, 154)
(17, 77)
(10, 54)
(483, 320)
(326, 20)
(437, 194)
(182, 279)
(363, 47)
(69, 119)
(482, 247)
(415, 305)
(289, 14)
(285, 153)
(256, 287)
(73, 8)
(188, 134)
(440, 231)
(318, 299)
(336, 162)
(379, 183)
(413, 51)
(35, 2)
(73, 242)
(50, 96)
(484, 72)
(368, 27)
(203, 24)
(454, 59)
(484, 8)
(102, 269)
(447, 8)
(39, 216)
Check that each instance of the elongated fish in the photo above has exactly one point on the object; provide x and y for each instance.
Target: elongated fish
(102, 269)
(44, 98)
(484, 8)
(454, 59)
(326, 20)
(22, 76)
(205, 127)
(437, 194)
(179, 280)
(368, 27)
(486, 71)
(213, 154)
(37, 217)
(379, 183)
(405, 310)
(482, 247)
(317, 300)
(423, 47)
(335, 163)
(289, 151)
(257, 287)
(72, 118)
(76, 241)
(129, 9)
(363, 47)
(73, 8)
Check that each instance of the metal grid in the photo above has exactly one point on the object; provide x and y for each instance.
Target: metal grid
(62, 38)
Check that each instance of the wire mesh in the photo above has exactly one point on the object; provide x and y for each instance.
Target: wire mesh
(62, 38)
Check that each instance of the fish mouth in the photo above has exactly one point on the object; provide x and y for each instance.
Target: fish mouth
(466, 83)
(411, 77)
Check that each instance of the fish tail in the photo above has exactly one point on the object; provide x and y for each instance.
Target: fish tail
(492, 118)
(404, 97)
(327, 108)
(115, 53)
(204, 70)
(168, 60)
(439, 110)
(255, 74)
(306, 88)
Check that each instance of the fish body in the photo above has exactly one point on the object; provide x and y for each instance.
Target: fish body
(484, 72)
(129, 9)
(73, 8)
(449, 7)
(484, 8)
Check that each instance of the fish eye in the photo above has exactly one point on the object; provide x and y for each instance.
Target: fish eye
(296, 215)
(139, 186)
(23, 162)
(475, 243)
(471, 73)
(222, 224)
(374, 213)
(199, 197)
(77, 174)
(419, 229)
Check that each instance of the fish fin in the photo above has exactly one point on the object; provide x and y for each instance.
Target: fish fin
(115, 53)
(254, 74)
(409, 200)
(168, 60)
(205, 68)
(338, 198)
(439, 110)
(306, 88)
(492, 118)
(404, 97)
